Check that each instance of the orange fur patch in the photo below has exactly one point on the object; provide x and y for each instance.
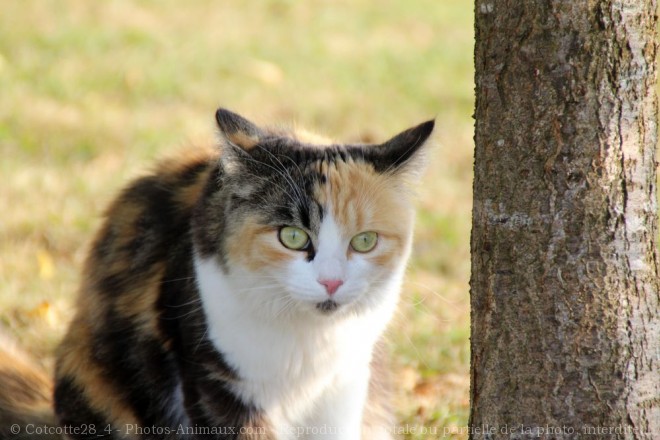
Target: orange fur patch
(255, 246)
(139, 304)
(170, 170)
(242, 140)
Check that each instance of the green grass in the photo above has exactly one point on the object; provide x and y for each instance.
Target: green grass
(93, 92)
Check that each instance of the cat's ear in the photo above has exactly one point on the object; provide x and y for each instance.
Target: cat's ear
(404, 153)
(237, 130)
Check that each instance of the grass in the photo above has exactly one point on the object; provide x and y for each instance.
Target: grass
(94, 92)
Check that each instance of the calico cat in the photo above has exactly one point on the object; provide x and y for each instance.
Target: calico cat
(241, 292)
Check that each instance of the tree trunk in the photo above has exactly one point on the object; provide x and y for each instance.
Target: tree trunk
(564, 289)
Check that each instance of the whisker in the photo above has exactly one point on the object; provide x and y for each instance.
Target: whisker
(436, 293)
(176, 279)
(195, 310)
(417, 352)
(198, 299)
(201, 339)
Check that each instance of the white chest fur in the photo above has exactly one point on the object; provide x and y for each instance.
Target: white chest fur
(306, 375)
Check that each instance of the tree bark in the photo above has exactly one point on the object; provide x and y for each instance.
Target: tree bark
(564, 289)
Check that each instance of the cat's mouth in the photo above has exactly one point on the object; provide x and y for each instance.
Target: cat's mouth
(328, 306)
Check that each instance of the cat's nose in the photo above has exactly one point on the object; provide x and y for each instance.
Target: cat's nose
(331, 286)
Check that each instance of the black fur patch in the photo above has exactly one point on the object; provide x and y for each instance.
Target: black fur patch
(189, 175)
(138, 365)
(207, 220)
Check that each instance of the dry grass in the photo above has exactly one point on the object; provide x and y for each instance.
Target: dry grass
(93, 92)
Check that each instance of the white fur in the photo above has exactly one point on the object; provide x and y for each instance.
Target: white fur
(307, 370)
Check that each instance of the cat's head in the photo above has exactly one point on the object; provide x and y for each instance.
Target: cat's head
(297, 227)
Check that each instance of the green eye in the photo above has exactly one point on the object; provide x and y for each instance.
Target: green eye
(294, 238)
(364, 241)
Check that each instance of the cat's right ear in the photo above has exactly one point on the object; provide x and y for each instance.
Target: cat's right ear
(236, 130)
(404, 153)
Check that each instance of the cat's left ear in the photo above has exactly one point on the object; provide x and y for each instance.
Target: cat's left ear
(404, 153)
(237, 130)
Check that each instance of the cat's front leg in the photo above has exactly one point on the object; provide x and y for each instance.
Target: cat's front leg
(338, 413)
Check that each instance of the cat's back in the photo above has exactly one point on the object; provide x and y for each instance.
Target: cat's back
(149, 214)
(116, 359)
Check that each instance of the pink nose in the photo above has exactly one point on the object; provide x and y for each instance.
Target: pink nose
(331, 286)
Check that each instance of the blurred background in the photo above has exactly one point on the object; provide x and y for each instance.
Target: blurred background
(92, 93)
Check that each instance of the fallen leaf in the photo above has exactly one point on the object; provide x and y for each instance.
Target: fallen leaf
(43, 311)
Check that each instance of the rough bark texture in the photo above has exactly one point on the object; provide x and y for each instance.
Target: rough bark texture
(564, 289)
